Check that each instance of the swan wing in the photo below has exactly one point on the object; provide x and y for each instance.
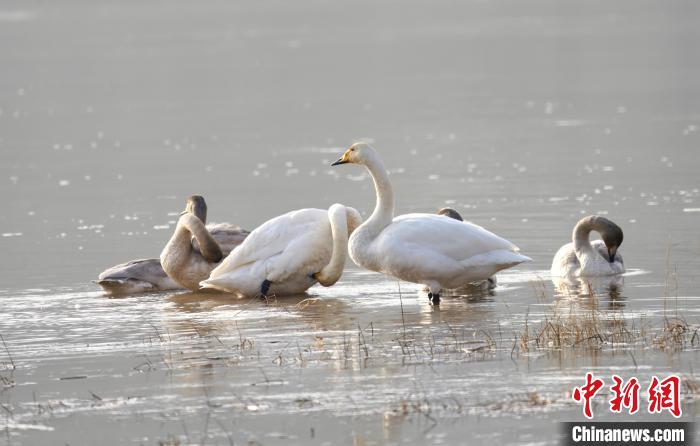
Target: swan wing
(147, 270)
(271, 238)
(226, 235)
(450, 238)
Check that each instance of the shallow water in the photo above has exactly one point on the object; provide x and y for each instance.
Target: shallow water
(524, 117)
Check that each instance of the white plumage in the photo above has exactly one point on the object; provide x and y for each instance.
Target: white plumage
(587, 263)
(585, 258)
(425, 248)
(439, 252)
(287, 251)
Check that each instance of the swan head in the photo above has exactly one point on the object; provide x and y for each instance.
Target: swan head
(196, 206)
(612, 237)
(610, 233)
(358, 153)
(449, 212)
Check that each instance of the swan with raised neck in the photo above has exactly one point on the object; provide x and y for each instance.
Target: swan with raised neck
(582, 257)
(441, 253)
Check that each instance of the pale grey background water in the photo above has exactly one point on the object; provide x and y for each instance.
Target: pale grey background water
(522, 115)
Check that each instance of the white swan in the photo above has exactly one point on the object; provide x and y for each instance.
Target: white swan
(288, 254)
(193, 251)
(439, 252)
(583, 258)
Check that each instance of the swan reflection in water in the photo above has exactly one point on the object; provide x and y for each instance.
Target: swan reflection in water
(609, 286)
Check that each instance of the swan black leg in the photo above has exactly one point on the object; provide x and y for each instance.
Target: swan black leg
(265, 287)
(434, 298)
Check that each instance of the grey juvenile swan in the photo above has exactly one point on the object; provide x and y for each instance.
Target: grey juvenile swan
(193, 251)
(147, 275)
(135, 276)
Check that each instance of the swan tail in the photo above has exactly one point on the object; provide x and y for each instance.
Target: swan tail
(215, 284)
(500, 259)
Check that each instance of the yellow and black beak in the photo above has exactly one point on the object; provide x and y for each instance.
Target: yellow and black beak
(343, 159)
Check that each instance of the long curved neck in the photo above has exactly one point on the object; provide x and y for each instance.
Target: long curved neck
(330, 273)
(188, 226)
(383, 212)
(582, 243)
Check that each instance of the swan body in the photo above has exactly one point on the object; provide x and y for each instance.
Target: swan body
(480, 286)
(136, 276)
(288, 254)
(585, 258)
(439, 252)
(433, 250)
(147, 275)
(193, 251)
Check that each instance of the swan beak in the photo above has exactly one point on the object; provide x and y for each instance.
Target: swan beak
(340, 161)
(343, 159)
(611, 253)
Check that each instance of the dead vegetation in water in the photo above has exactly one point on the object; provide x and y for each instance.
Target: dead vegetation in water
(7, 367)
(583, 325)
(435, 409)
(589, 330)
(676, 334)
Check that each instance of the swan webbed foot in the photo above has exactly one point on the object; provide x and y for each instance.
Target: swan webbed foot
(265, 287)
(434, 298)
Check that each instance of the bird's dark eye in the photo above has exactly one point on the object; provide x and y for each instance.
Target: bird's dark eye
(352, 149)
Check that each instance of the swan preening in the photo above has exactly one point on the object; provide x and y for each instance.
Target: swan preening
(583, 258)
(438, 252)
(189, 247)
(193, 252)
(288, 254)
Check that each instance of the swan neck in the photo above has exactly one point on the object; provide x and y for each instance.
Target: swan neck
(383, 212)
(181, 237)
(208, 247)
(339, 230)
(582, 242)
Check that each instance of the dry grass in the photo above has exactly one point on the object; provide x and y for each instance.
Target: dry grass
(587, 327)
(577, 330)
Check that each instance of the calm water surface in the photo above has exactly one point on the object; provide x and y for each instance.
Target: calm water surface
(524, 116)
